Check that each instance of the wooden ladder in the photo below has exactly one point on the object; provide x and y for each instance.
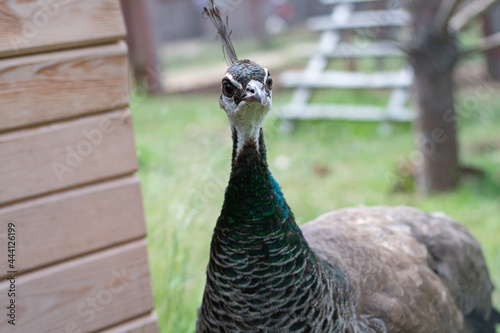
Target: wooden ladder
(330, 46)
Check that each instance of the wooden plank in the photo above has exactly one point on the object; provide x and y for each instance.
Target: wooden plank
(360, 20)
(72, 223)
(346, 112)
(30, 26)
(146, 324)
(40, 160)
(342, 13)
(315, 67)
(334, 111)
(46, 87)
(318, 62)
(347, 80)
(85, 294)
(397, 102)
(372, 49)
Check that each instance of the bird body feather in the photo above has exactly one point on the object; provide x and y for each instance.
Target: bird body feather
(417, 272)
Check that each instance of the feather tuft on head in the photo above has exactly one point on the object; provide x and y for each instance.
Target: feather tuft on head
(214, 14)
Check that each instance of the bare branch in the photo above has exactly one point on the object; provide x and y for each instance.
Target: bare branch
(444, 14)
(470, 12)
(484, 44)
(490, 42)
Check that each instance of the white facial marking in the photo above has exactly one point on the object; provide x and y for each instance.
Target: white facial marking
(233, 81)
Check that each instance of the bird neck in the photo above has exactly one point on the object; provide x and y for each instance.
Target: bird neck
(252, 194)
(255, 217)
(261, 268)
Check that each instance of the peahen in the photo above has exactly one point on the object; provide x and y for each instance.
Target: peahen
(364, 269)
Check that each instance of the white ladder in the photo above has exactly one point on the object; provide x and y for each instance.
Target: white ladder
(331, 46)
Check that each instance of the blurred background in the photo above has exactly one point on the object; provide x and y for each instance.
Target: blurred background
(364, 154)
(173, 38)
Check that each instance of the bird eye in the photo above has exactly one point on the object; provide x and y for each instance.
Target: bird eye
(228, 89)
(269, 82)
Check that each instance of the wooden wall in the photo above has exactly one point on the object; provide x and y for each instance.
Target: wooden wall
(67, 171)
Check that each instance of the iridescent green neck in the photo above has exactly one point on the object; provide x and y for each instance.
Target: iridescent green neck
(252, 193)
(255, 214)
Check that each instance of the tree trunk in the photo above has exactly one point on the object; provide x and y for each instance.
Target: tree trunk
(433, 55)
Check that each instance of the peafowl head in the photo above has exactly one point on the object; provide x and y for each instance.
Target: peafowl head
(246, 95)
(247, 98)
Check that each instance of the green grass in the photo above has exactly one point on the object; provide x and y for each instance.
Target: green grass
(184, 152)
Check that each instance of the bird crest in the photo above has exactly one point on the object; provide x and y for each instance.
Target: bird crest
(214, 14)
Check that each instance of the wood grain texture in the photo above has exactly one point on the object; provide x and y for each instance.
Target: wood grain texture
(46, 87)
(84, 295)
(146, 324)
(30, 26)
(65, 154)
(75, 222)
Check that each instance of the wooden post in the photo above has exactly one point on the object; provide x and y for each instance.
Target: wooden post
(142, 46)
(259, 21)
(491, 26)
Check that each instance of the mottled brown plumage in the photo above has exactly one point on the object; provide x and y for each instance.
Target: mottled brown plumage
(417, 272)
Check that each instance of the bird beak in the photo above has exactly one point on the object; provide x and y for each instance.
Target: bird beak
(256, 93)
